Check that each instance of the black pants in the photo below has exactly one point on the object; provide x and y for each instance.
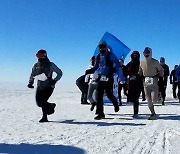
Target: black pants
(80, 82)
(42, 97)
(179, 91)
(163, 93)
(105, 86)
(143, 93)
(174, 88)
(162, 89)
(120, 87)
(133, 96)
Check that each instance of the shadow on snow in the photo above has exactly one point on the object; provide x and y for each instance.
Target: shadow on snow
(167, 103)
(145, 116)
(100, 123)
(39, 149)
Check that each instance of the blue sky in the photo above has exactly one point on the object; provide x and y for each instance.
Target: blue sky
(70, 30)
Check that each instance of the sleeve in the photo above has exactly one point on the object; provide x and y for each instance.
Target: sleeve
(57, 71)
(31, 78)
(160, 70)
(140, 72)
(177, 73)
(171, 75)
(167, 70)
(93, 69)
(117, 66)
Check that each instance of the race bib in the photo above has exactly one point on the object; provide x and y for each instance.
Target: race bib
(104, 78)
(148, 81)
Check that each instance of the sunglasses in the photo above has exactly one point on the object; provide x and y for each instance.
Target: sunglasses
(102, 46)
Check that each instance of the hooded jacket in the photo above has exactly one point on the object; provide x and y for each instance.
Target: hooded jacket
(131, 70)
(150, 67)
(104, 65)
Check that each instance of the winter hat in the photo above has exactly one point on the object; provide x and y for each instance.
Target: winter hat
(102, 44)
(41, 54)
(175, 66)
(147, 49)
(162, 59)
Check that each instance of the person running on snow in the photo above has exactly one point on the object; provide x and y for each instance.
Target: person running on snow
(151, 69)
(83, 87)
(91, 79)
(43, 70)
(134, 82)
(174, 81)
(165, 78)
(122, 84)
(177, 74)
(104, 66)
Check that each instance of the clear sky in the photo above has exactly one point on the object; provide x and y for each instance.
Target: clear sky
(70, 30)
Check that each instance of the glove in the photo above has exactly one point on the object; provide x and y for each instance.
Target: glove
(170, 82)
(30, 85)
(53, 82)
(89, 71)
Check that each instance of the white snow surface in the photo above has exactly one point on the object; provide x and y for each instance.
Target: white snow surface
(73, 130)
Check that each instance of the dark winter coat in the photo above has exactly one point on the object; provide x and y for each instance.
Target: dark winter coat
(173, 78)
(177, 73)
(46, 67)
(131, 70)
(166, 73)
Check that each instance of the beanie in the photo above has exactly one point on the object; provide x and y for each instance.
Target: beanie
(162, 59)
(41, 54)
(102, 43)
(147, 49)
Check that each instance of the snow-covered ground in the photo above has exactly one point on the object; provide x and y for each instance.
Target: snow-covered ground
(73, 130)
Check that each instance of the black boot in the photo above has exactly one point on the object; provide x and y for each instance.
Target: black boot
(44, 119)
(51, 108)
(116, 108)
(92, 106)
(99, 116)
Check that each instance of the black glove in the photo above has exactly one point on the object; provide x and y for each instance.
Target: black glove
(53, 82)
(86, 72)
(30, 85)
(89, 71)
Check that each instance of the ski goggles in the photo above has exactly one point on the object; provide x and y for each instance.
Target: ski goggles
(41, 55)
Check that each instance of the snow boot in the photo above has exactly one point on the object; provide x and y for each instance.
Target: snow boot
(152, 117)
(92, 106)
(51, 108)
(100, 116)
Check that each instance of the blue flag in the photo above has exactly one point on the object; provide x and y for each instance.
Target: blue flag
(118, 48)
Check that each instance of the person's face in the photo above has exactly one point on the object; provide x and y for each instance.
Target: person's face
(102, 48)
(162, 62)
(146, 53)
